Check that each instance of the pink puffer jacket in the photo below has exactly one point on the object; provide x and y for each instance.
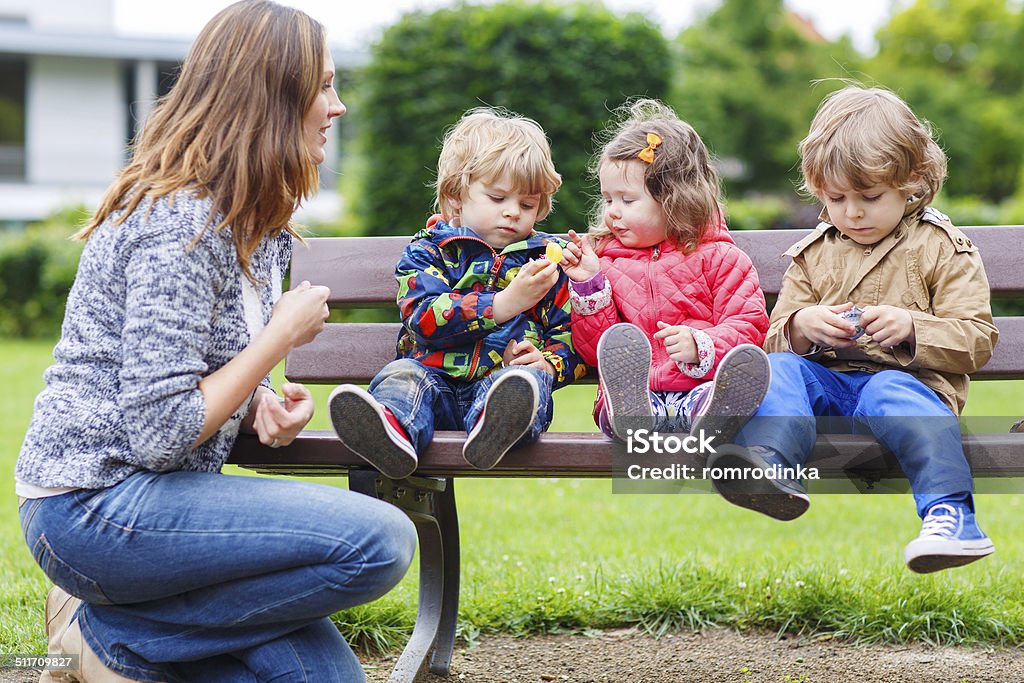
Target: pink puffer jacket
(714, 289)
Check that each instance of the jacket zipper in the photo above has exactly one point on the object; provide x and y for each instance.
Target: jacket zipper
(650, 273)
(492, 278)
(498, 258)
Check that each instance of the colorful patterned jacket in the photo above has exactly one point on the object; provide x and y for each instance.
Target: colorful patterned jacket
(447, 279)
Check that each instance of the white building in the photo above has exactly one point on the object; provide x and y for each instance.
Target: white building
(73, 92)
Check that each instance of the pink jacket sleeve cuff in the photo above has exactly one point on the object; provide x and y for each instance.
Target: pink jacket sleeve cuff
(590, 296)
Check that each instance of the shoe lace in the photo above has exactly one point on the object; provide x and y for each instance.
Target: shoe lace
(941, 520)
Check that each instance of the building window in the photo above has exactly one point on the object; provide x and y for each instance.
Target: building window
(167, 76)
(12, 118)
(143, 83)
(128, 89)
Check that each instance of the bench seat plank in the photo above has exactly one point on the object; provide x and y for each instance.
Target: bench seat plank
(589, 454)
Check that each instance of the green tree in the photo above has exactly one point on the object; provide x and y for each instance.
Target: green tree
(958, 65)
(746, 83)
(566, 66)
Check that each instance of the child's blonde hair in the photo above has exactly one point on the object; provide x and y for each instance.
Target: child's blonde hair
(487, 144)
(680, 177)
(869, 136)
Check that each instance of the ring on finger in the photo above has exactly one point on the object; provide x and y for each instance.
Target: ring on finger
(274, 444)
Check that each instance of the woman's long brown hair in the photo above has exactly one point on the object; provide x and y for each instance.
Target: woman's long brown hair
(231, 128)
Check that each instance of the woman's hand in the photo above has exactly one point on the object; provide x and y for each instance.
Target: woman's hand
(277, 423)
(300, 313)
(298, 317)
(579, 260)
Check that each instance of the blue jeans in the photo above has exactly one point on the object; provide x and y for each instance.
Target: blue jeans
(194, 576)
(425, 399)
(903, 413)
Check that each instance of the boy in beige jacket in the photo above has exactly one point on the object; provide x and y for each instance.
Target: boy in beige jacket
(883, 313)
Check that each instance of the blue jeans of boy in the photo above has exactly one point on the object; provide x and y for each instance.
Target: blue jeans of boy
(194, 576)
(906, 417)
(425, 399)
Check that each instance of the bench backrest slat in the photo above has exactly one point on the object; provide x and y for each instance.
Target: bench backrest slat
(360, 270)
(360, 273)
(354, 352)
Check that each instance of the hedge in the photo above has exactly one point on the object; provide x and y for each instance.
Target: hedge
(566, 66)
(37, 269)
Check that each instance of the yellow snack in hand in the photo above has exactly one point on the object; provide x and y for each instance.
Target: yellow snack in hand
(553, 252)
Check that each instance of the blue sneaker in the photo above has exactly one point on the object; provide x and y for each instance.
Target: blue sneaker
(949, 538)
(370, 430)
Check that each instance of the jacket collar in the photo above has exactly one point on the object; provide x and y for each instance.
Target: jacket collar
(441, 231)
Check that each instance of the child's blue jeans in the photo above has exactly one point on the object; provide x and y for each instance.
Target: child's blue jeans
(195, 576)
(425, 398)
(904, 414)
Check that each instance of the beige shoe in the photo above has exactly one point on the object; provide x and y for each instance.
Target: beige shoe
(64, 638)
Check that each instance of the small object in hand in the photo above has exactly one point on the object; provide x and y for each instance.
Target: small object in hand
(553, 252)
(852, 316)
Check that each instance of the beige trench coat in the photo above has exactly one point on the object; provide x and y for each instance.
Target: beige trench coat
(925, 266)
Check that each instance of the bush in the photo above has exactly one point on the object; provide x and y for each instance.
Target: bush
(37, 269)
(762, 213)
(976, 211)
(566, 66)
(745, 79)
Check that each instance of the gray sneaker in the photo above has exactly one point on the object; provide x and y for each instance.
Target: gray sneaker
(740, 384)
(366, 429)
(744, 481)
(509, 409)
(624, 372)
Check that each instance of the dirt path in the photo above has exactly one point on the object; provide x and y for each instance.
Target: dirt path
(718, 656)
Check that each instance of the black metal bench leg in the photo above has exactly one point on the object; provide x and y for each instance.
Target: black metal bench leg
(430, 504)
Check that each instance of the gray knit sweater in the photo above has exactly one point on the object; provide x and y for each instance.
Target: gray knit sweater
(146, 318)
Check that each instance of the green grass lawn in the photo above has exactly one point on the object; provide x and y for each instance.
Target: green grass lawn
(546, 555)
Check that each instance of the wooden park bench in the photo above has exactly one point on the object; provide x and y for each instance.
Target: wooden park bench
(359, 272)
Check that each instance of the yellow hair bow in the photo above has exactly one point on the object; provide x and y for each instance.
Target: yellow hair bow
(647, 153)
